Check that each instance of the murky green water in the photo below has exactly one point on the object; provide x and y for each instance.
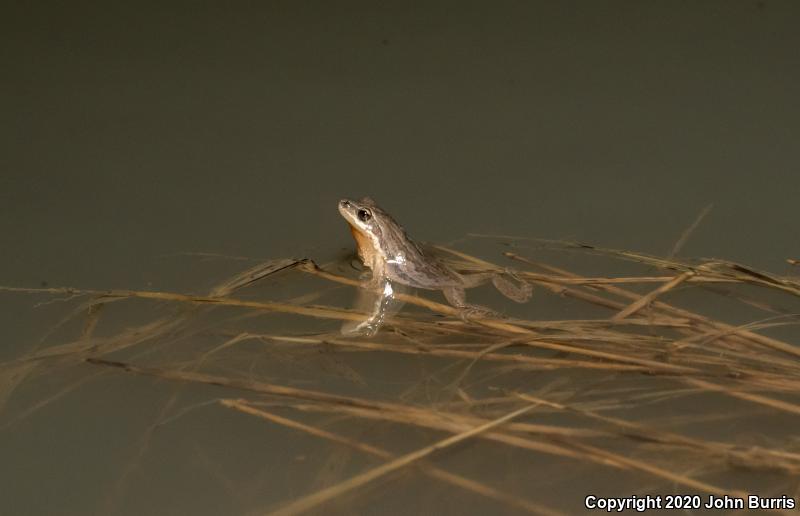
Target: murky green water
(134, 136)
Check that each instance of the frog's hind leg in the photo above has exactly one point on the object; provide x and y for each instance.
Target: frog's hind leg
(520, 292)
(457, 297)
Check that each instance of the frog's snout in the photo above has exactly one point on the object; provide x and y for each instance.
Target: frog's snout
(344, 203)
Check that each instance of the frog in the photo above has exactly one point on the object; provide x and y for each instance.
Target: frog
(393, 257)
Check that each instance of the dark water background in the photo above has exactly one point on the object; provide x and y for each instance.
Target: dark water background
(135, 132)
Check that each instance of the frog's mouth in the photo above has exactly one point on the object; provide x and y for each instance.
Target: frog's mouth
(363, 245)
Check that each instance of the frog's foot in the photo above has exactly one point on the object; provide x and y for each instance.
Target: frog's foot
(520, 292)
(366, 328)
(470, 312)
(458, 298)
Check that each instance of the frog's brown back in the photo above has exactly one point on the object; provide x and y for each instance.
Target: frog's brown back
(407, 261)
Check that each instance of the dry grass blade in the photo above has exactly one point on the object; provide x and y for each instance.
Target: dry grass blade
(324, 313)
(700, 321)
(440, 474)
(755, 458)
(656, 471)
(720, 269)
(252, 275)
(11, 376)
(309, 502)
(381, 410)
(561, 363)
(686, 234)
(648, 298)
(450, 422)
(398, 411)
(755, 398)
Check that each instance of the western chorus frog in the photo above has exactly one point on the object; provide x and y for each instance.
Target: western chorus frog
(395, 258)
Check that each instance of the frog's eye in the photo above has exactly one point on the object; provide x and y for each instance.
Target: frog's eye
(364, 215)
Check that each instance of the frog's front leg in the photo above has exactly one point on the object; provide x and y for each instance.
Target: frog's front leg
(374, 298)
(457, 297)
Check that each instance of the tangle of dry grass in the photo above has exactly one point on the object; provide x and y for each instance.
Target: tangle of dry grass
(646, 351)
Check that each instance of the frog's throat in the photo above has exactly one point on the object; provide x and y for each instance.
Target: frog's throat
(366, 250)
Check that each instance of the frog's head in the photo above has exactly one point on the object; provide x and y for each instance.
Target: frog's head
(361, 214)
(370, 226)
